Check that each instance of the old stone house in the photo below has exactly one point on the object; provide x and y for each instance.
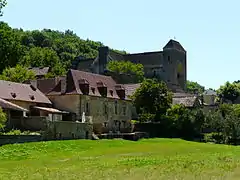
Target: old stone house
(24, 100)
(99, 97)
(169, 65)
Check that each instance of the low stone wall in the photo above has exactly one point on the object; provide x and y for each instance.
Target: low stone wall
(69, 130)
(33, 123)
(12, 139)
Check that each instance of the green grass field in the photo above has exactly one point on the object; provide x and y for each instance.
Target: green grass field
(118, 159)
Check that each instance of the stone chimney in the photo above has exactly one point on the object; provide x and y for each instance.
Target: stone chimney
(103, 58)
(63, 85)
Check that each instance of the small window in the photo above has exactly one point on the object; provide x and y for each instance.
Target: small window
(105, 109)
(169, 59)
(105, 124)
(116, 107)
(124, 110)
(87, 108)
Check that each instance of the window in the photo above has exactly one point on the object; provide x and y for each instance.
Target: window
(124, 110)
(116, 107)
(105, 109)
(87, 108)
(169, 59)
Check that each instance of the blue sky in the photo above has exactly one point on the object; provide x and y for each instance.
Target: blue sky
(208, 30)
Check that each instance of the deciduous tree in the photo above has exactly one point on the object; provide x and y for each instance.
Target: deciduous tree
(17, 74)
(229, 91)
(152, 97)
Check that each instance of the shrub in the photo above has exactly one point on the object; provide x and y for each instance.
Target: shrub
(3, 119)
(214, 137)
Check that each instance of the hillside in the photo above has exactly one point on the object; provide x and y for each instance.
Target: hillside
(153, 159)
(43, 48)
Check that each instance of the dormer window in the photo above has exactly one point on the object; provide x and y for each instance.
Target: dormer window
(93, 90)
(32, 97)
(84, 86)
(120, 91)
(111, 92)
(13, 95)
(102, 88)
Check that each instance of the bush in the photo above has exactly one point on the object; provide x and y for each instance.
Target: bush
(3, 119)
(214, 137)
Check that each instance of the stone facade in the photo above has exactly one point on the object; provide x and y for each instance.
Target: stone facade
(107, 114)
(169, 65)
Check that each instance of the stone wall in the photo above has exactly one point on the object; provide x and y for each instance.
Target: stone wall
(110, 114)
(69, 103)
(102, 110)
(70, 130)
(35, 123)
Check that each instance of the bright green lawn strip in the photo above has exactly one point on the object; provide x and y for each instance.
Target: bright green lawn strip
(115, 159)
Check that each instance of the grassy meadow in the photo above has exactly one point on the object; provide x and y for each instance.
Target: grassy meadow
(118, 159)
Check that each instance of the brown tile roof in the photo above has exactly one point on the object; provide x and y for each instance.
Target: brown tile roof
(40, 71)
(186, 101)
(72, 81)
(8, 105)
(21, 92)
(45, 85)
(131, 88)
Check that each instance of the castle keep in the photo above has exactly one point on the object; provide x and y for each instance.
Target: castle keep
(169, 65)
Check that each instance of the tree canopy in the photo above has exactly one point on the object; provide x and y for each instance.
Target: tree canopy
(127, 67)
(152, 98)
(193, 87)
(229, 91)
(3, 3)
(47, 47)
(17, 74)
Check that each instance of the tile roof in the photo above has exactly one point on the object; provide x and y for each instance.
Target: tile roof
(210, 92)
(131, 88)
(186, 101)
(8, 105)
(45, 85)
(74, 77)
(21, 92)
(40, 71)
(172, 44)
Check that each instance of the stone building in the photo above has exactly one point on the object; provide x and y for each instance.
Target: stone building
(101, 99)
(169, 65)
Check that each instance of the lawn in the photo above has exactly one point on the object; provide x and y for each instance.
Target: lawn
(118, 159)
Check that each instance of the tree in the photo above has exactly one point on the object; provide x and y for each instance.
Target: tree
(229, 91)
(192, 87)
(128, 68)
(17, 74)
(152, 97)
(3, 3)
(10, 47)
(3, 119)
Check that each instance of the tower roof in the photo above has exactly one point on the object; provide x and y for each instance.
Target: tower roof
(172, 44)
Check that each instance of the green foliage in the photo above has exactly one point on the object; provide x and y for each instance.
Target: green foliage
(214, 137)
(128, 68)
(3, 3)
(3, 119)
(152, 97)
(229, 91)
(18, 132)
(193, 87)
(10, 47)
(17, 74)
(50, 48)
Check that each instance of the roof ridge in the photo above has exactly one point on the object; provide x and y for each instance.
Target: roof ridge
(143, 53)
(100, 75)
(15, 82)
